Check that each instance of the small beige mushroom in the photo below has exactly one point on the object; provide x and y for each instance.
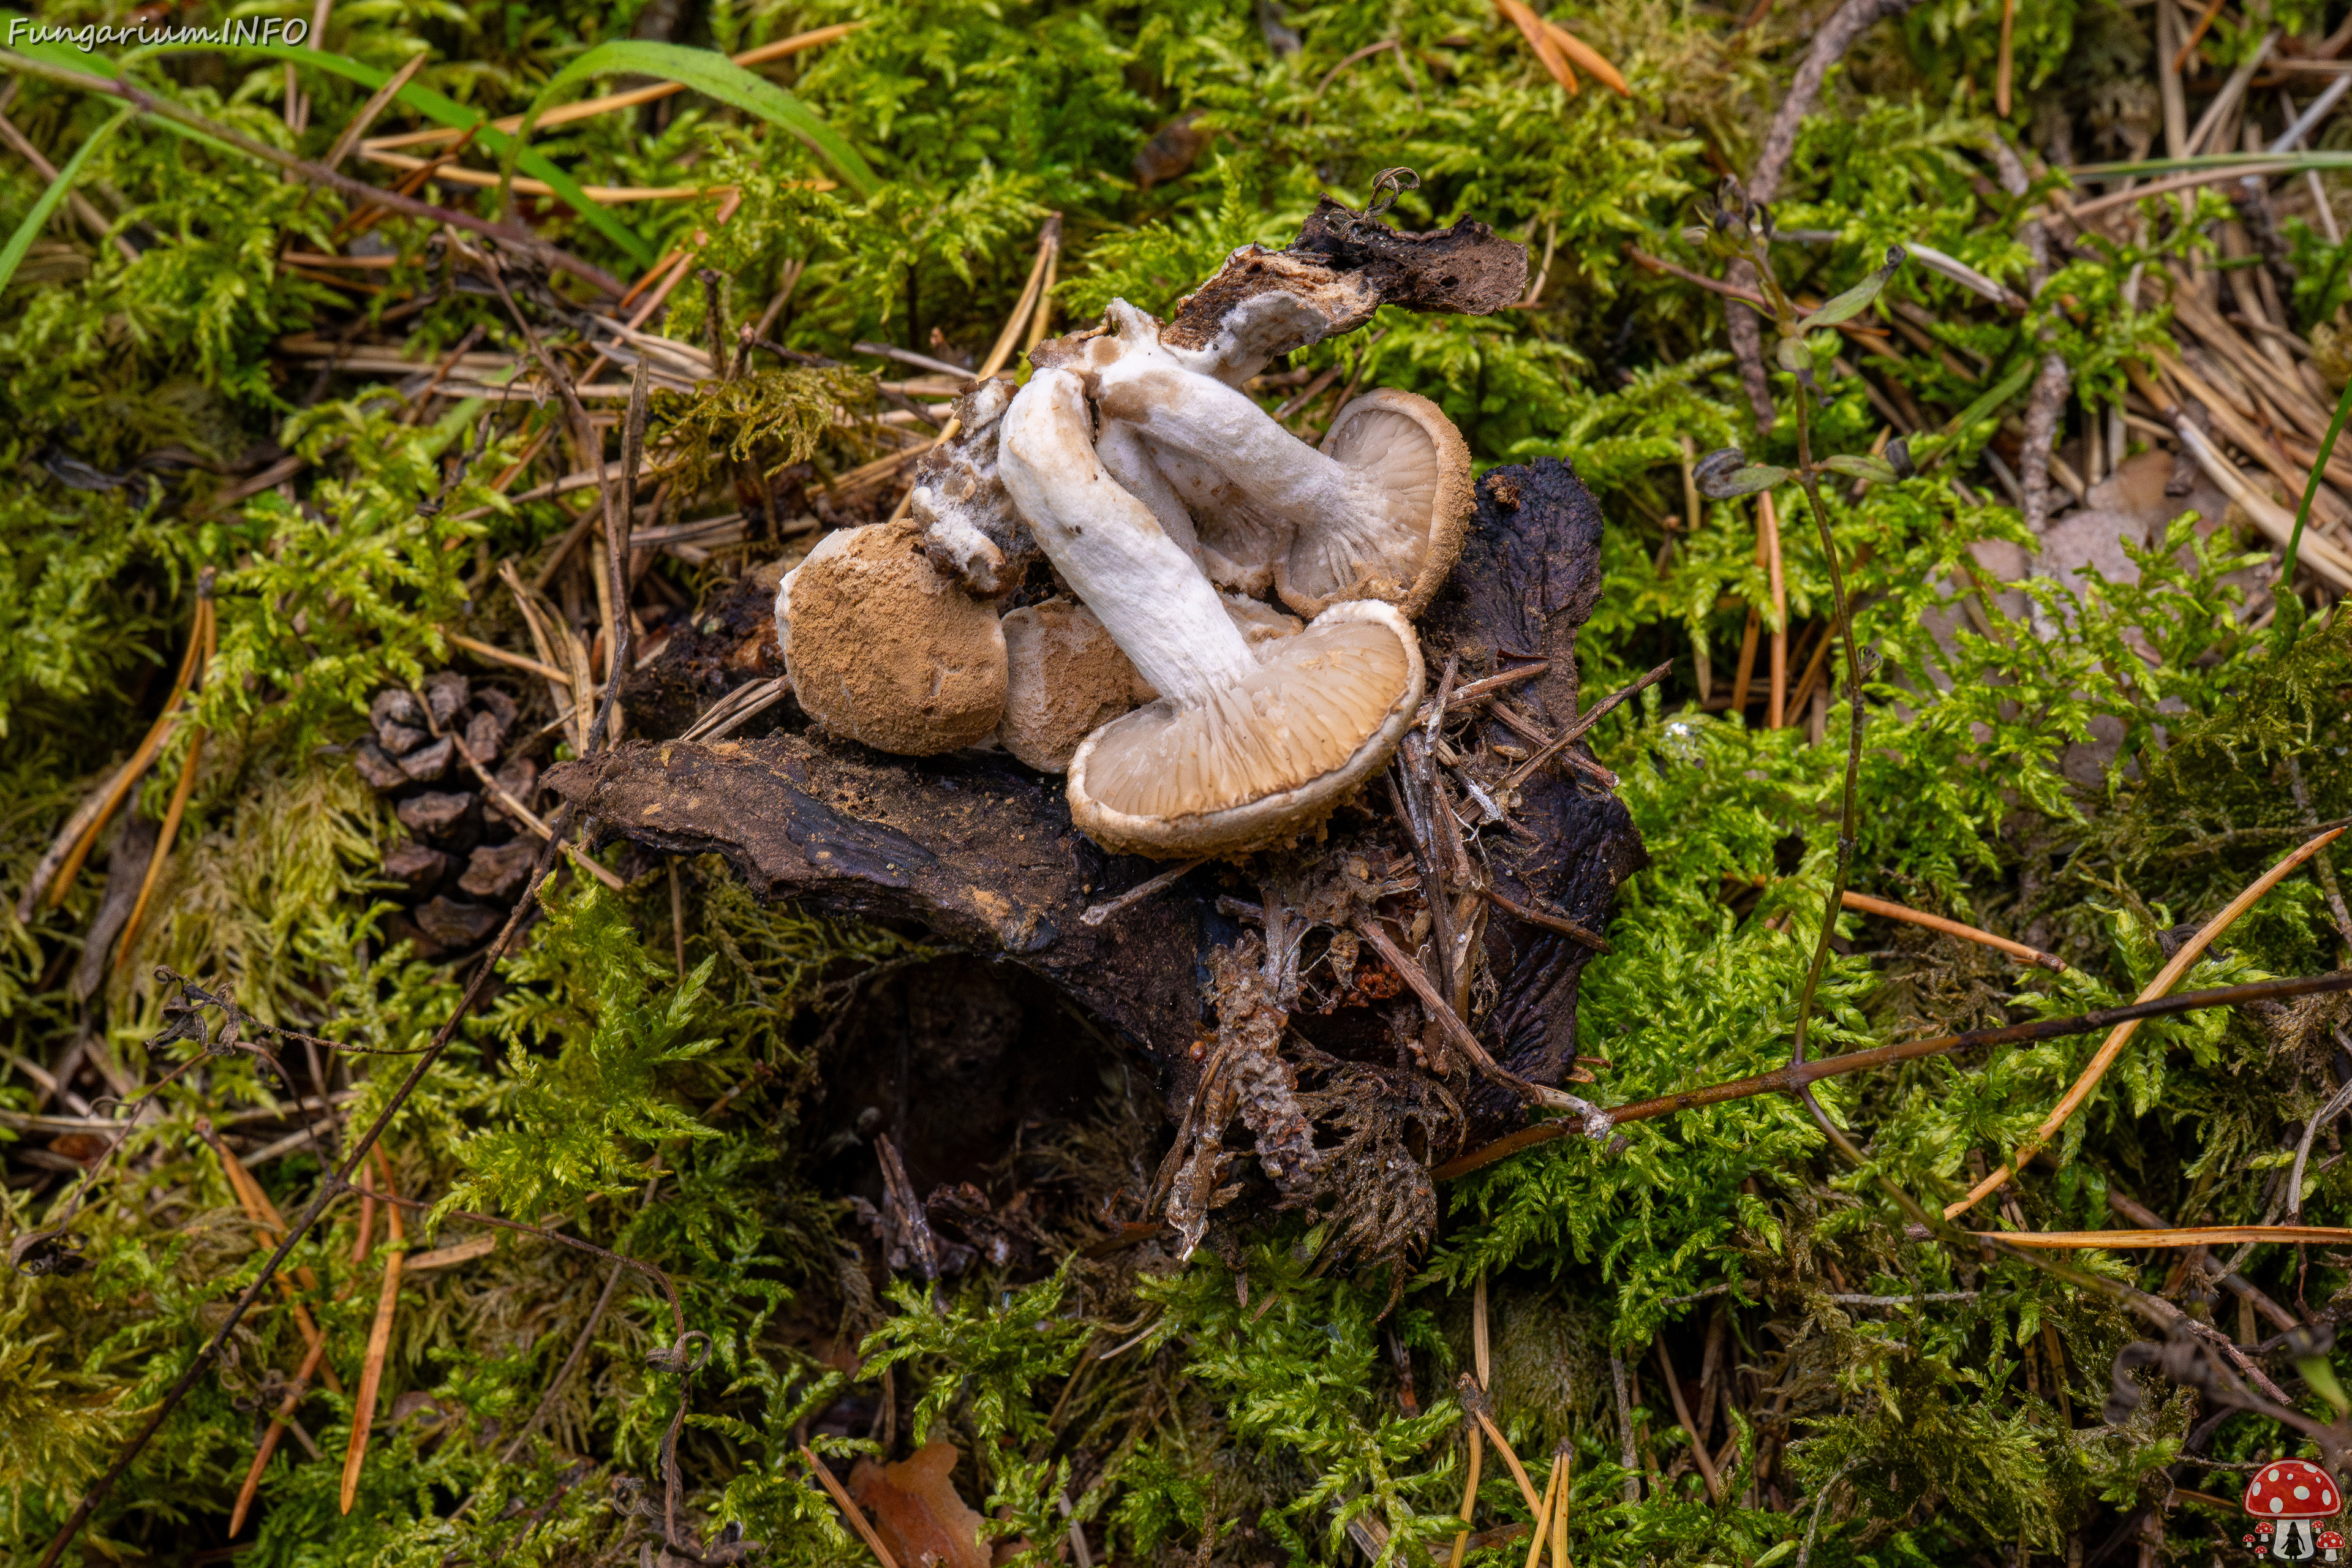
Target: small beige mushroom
(886, 648)
(1066, 677)
(1402, 448)
(1239, 753)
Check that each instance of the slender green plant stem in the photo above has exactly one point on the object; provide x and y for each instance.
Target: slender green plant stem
(2285, 589)
(1850, 812)
(146, 102)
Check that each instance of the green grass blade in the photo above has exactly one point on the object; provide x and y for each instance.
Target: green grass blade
(714, 75)
(21, 240)
(424, 101)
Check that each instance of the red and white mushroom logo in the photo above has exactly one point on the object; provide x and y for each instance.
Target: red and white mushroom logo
(2291, 1494)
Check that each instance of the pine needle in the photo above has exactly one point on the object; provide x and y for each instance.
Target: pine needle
(379, 1343)
(2166, 979)
(1532, 28)
(849, 1510)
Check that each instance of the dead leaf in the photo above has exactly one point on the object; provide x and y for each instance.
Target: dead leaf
(917, 1511)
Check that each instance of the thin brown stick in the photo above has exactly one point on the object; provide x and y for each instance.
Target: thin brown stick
(2140, 1215)
(377, 102)
(130, 92)
(1683, 1414)
(2196, 36)
(1790, 1078)
(1434, 1000)
(329, 1190)
(1096, 913)
(269, 1439)
(1473, 690)
(1566, 927)
(1767, 540)
(849, 1510)
(1469, 1497)
(570, 1364)
(1576, 731)
(1864, 904)
(91, 218)
(379, 1345)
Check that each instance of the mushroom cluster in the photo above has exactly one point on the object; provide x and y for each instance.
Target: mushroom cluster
(2285, 1499)
(1190, 715)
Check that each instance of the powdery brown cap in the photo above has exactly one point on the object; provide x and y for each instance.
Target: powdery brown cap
(886, 648)
(1403, 450)
(1065, 678)
(1262, 760)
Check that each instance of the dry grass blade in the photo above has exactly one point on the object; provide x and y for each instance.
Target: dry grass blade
(565, 114)
(57, 867)
(376, 105)
(497, 654)
(2166, 979)
(129, 941)
(378, 1346)
(2195, 1236)
(849, 1510)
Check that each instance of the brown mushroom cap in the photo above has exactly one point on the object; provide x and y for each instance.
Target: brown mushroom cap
(1401, 448)
(886, 648)
(1065, 678)
(1262, 760)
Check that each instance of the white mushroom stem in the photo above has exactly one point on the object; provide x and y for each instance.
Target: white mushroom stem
(1221, 428)
(1155, 601)
(1129, 463)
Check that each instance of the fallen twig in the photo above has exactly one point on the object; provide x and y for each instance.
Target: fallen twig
(1790, 1079)
(1576, 731)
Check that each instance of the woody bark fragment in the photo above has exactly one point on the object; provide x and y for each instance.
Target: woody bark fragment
(981, 850)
